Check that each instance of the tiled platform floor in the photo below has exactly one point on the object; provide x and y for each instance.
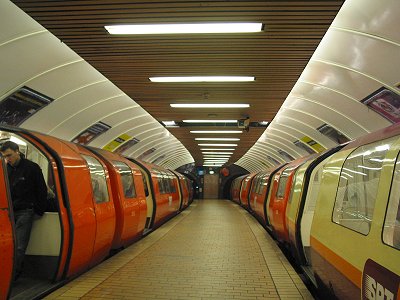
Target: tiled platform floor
(213, 250)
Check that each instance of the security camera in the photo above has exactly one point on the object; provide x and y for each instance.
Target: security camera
(244, 123)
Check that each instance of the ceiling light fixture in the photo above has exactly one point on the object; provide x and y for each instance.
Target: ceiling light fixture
(209, 165)
(217, 145)
(214, 160)
(217, 139)
(202, 79)
(209, 121)
(169, 123)
(217, 152)
(217, 149)
(204, 105)
(231, 27)
(215, 131)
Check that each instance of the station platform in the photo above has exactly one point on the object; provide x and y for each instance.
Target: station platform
(212, 250)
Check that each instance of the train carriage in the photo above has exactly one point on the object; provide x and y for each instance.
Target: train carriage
(236, 188)
(129, 197)
(245, 191)
(96, 202)
(163, 193)
(184, 190)
(301, 206)
(355, 234)
(279, 196)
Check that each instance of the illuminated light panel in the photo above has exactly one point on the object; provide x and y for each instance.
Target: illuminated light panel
(217, 139)
(219, 165)
(217, 145)
(217, 153)
(216, 149)
(204, 105)
(215, 131)
(209, 121)
(170, 124)
(203, 79)
(230, 27)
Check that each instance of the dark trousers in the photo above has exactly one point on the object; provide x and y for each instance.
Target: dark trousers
(23, 226)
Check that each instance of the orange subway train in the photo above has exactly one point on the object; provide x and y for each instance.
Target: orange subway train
(98, 202)
(338, 215)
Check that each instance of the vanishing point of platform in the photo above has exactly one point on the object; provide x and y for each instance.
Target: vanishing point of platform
(212, 250)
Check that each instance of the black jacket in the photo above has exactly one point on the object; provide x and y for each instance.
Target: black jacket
(28, 188)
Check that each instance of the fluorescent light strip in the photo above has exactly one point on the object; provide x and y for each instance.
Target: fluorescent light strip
(217, 159)
(217, 139)
(209, 121)
(204, 105)
(219, 165)
(215, 131)
(217, 153)
(216, 149)
(169, 123)
(231, 27)
(203, 79)
(217, 145)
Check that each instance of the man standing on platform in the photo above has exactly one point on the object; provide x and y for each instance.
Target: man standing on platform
(28, 194)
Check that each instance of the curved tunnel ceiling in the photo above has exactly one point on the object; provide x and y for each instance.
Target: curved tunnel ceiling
(358, 56)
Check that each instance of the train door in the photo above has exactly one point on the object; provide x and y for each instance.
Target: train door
(6, 233)
(103, 208)
(309, 208)
(45, 256)
(150, 199)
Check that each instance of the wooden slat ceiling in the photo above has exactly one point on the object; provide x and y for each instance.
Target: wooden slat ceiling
(276, 56)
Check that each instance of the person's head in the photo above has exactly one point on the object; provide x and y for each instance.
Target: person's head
(10, 151)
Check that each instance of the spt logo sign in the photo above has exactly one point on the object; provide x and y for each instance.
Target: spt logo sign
(379, 283)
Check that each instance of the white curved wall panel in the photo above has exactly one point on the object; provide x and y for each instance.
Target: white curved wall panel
(362, 54)
(276, 145)
(265, 150)
(85, 117)
(32, 56)
(292, 115)
(367, 119)
(23, 27)
(359, 54)
(379, 18)
(282, 140)
(318, 114)
(67, 80)
(24, 59)
(61, 110)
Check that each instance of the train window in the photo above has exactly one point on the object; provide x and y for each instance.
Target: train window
(257, 184)
(282, 182)
(98, 176)
(146, 189)
(128, 184)
(358, 186)
(160, 184)
(391, 231)
(172, 182)
(298, 179)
